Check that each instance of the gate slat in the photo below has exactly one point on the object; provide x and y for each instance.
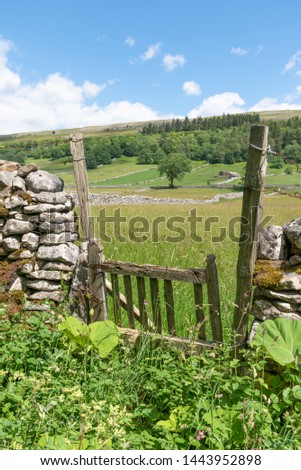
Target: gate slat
(170, 307)
(142, 300)
(199, 310)
(116, 300)
(129, 298)
(155, 300)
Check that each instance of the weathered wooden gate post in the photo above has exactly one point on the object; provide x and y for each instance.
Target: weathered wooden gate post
(252, 207)
(96, 294)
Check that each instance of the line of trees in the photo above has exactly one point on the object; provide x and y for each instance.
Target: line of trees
(199, 123)
(221, 139)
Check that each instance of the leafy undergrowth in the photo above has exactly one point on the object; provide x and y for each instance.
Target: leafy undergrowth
(59, 394)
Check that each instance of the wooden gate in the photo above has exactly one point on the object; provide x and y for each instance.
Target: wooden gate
(136, 276)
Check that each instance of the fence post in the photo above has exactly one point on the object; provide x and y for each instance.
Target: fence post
(96, 281)
(96, 295)
(250, 220)
(213, 299)
(81, 179)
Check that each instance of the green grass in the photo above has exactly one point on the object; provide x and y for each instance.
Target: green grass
(56, 396)
(124, 172)
(218, 228)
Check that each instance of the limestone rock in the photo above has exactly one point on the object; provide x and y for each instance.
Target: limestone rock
(43, 285)
(272, 244)
(11, 243)
(25, 170)
(6, 178)
(47, 227)
(57, 239)
(57, 265)
(265, 310)
(14, 201)
(70, 203)
(20, 254)
(290, 281)
(50, 275)
(34, 306)
(10, 166)
(16, 285)
(67, 253)
(293, 232)
(294, 260)
(49, 198)
(26, 268)
(285, 306)
(38, 208)
(30, 240)
(18, 183)
(254, 329)
(41, 180)
(56, 296)
(16, 227)
(57, 217)
(293, 297)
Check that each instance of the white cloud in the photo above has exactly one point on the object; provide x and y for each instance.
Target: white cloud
(191, 88)
(238, 51)
(269, 104)
(259, 48)
(90, 89)
(9, 80)
(294, 60)
(298, 73)
(216, 105)
(130, 41)
(170, 62)
(152, 51)
(58, 102)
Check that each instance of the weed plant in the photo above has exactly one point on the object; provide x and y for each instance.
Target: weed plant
(56, 397)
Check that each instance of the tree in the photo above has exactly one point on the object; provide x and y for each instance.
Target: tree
(174, 166)
(289, 170)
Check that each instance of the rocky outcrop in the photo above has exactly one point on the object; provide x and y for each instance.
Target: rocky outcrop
(277, 275)
(37, 231)
(272, 243)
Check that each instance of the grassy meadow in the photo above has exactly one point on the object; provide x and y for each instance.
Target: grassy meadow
(124, 173)
(218, 226)
(58, 393)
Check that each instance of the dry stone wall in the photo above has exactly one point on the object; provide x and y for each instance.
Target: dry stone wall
(38, 231)
(277, 275)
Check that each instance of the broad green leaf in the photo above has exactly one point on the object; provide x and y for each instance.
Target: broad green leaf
(175, 419)
(75, 330)
(104, 336)
(280, 339)
(297, 392)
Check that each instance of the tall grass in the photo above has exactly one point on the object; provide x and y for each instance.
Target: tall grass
(218, 225)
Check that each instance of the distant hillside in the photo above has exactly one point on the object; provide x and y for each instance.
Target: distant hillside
(123, 128)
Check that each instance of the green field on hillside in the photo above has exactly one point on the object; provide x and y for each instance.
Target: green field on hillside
(124, 172)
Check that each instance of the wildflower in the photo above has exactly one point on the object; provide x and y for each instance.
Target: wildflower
(246, 295)
(200, 435)
(145, 302)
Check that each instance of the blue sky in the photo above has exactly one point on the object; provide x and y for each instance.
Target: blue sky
(74, 63)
